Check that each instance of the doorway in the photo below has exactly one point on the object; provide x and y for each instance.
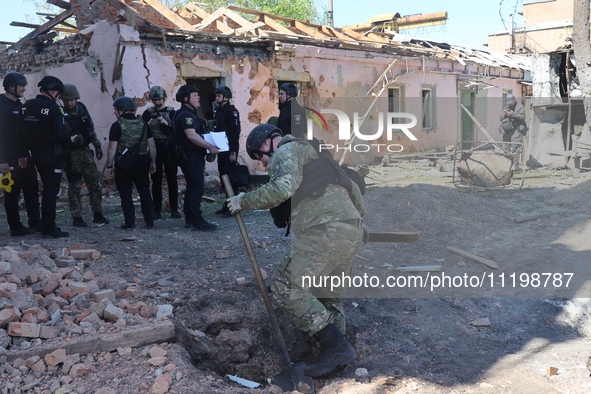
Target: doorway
(206, 88)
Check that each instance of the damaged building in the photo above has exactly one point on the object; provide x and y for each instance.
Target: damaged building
(125, 47)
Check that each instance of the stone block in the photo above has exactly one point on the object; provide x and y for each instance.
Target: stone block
(112, 313)
(56, 357)
(47, 332)
(32, 278)
(80, 287)
(61, 262)
(222, 254)
(4, 266)
(26, 330)
(163, 311)
(7, 316)
(82, 254)
(116, 285)
(50, 287)
(39, 367)
(47, 262)
(7, 290)
(82, 301)
(92, 318)
(97, 308)
(21, 269)
(100, 295)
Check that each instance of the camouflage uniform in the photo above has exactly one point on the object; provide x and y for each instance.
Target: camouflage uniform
(79, 164)
(327, 231)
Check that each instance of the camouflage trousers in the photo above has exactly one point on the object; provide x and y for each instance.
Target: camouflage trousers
(81, 168)
(300, 286)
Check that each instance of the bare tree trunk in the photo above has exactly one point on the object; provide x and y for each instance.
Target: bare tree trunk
(582, 47)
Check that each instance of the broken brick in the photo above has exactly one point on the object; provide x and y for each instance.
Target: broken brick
(27, 330)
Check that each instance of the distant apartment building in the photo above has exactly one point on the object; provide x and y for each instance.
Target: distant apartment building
(546, 26)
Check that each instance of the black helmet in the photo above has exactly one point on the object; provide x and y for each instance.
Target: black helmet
(257, 136)
(223, 90)
(289, 88)
(13, 79)
(51, 83)
(124, 103)
(157, 93)
(185, 91)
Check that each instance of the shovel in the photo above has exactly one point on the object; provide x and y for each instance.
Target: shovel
(292, 377)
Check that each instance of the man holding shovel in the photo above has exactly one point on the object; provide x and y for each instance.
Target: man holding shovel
(328, 231)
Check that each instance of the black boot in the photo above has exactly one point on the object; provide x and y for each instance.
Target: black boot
(335, 351)
(79, 222)
(99, 218)
(224, 209)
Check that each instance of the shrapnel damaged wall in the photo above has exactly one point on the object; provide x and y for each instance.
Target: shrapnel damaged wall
(251, 69)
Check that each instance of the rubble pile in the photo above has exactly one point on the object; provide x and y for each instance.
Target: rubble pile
(48, 298)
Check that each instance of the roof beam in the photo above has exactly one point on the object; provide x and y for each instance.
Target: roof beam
(308, 30)
(242, 22)
(273, 24)
(170, 15)
(250, 28)
(209, 19)
(200, 12)
(60, 3)
(129, 13)
(44, 27)
(221, 26)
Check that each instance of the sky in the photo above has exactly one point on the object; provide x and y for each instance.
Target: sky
(469, 23)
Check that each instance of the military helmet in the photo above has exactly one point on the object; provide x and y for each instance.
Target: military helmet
(289, 88)
(51, 83)
(223, 90)
(157, 93)
(124, 103)
(185, 91)
(70, 92)
(257, 136)
(13, 79)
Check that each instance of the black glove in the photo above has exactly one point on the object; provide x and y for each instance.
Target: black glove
(99, 152)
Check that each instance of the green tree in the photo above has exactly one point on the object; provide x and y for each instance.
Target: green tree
(303, 10)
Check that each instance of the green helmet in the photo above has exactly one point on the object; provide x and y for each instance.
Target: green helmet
(157, 93)
(70, 92)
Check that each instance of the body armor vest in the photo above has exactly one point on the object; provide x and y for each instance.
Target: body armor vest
(80, 123)
(37, 132)
(156, 129)
(131, 131)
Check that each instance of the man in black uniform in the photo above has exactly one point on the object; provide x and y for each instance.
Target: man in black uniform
(188, 129)
(14, 157)
(291, 113)
(159, 119)
(227, 119)
(47, 140)
(127, 131)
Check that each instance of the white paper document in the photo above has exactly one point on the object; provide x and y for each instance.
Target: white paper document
(219, 139)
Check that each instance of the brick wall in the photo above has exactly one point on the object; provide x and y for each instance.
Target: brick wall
(32, 59)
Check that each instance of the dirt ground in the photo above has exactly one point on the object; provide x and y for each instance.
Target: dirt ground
(427, 340)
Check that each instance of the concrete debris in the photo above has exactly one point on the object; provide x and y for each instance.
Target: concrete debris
(485, 169)
(484, 322)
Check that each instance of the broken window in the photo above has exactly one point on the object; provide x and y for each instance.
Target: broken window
(428, 107)
(396, 104)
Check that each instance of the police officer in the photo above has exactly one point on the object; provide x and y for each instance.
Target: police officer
(159, 119)
(328, 231)
(189, 128)
(124, 134)
(14, 157)
(47, 140)
(291, 113)
(227, 119)
(79, 163)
